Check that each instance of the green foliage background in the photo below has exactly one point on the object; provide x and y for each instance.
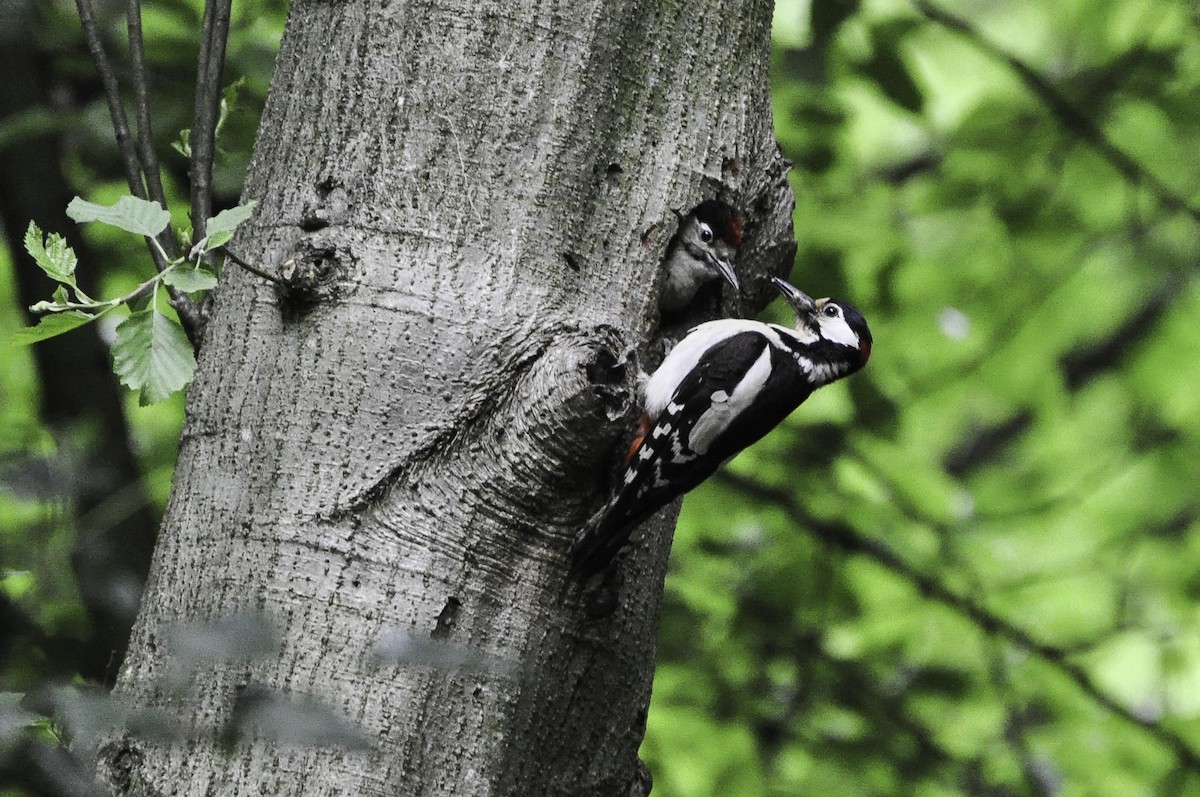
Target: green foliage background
(973, 568)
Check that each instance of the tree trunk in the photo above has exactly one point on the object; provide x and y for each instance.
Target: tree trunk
(477, 197)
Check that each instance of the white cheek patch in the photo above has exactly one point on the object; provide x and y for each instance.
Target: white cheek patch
(836, 330)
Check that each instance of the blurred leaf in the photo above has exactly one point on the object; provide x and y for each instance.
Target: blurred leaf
(192, 646)
(828, 15)
(402, 647)
(886, 68)
(303, 722)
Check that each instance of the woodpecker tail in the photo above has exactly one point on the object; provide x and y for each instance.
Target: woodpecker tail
(597, 545)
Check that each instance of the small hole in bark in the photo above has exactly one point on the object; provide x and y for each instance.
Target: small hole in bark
(325, 187)
(447, 618)
(311, 222)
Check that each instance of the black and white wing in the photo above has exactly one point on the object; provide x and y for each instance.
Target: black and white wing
(737, 390)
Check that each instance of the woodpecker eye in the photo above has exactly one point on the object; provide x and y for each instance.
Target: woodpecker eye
(706, 233)
(832, 310)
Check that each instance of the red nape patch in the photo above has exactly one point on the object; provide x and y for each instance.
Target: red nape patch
(733, 230)
(642, 430)
(864, 350)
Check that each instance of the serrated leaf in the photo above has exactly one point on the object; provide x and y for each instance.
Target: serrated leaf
(190, 279)
(220, 228)
(153, 355)
(128, 213)
(60, 295)
(51, 253)
(52, 325)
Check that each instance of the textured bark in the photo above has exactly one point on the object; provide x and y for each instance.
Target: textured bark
(478, 195)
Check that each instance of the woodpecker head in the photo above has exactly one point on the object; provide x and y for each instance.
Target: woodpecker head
(832, 322)
(702, 250)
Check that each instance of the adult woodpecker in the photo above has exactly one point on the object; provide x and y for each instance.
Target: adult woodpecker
(701, 250)
(725, 385)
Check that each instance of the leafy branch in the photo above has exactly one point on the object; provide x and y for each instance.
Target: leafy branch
(140, 161)
(152, 353)
(848, 539)
(1071, 117)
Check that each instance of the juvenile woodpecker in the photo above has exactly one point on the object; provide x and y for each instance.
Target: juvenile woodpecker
(725, 385)
(701, 250)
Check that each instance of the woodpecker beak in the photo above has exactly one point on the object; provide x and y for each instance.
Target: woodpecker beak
(725, 269)
(800, 300)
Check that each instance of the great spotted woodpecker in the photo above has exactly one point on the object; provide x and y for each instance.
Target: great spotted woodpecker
(725, 385)
(701, 250)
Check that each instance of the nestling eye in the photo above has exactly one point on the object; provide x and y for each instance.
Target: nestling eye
(832, 310)
(705, 232)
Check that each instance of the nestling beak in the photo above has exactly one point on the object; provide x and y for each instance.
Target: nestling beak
(725, 269)
(797, 298)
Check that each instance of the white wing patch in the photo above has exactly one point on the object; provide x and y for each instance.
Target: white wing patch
(721, 413)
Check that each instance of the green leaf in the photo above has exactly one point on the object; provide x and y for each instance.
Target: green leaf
(52, 325)
(220, 228)
(190, 279)
(128, 213)
(229, 103)
(152, 354)
(183, 145)
(51, 253)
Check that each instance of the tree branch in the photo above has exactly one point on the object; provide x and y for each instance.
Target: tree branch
(848, 539)
(252, 269)
(207, 110)
(112, 93)
(145, 167)
(145, 137)
(1070, 116)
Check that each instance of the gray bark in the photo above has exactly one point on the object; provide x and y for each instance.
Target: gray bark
(478, 195)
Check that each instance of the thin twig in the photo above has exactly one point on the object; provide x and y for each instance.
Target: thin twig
(207, 110)
(1070, 116)
(189, 315)
(252, 269)
(145, 136)
(850, 540)
(112, 93)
